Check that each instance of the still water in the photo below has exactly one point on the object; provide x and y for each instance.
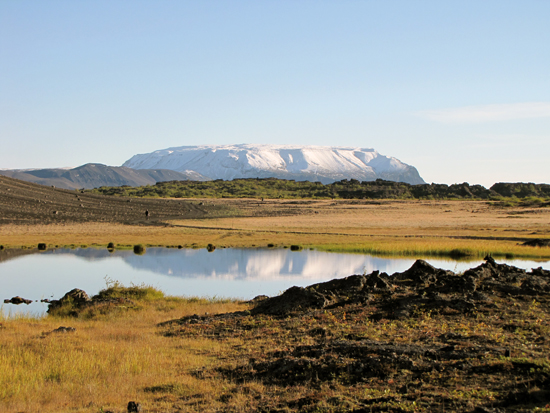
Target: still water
(236, 273)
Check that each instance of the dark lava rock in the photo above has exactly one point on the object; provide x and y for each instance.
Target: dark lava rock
(293, 299)
(258, 299)
(79, 300)
(134, 407)
(76, 296)
(421, 285)
(420, 274)
(17, 300)
(64, 330)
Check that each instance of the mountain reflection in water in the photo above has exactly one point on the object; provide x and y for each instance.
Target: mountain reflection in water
(245, 264)
(238, 273)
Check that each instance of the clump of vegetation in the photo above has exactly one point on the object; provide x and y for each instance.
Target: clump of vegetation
(296, 248)
(116, 290)
(104, 362)
(114, 299)
(42, 246)
(139, 249)
(458, 253)
(110, 246)
(344, 189)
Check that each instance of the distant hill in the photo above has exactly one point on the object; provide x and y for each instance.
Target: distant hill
(94, 175)
(325, 164)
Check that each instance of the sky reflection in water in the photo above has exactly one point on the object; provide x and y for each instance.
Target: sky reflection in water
(240, 273)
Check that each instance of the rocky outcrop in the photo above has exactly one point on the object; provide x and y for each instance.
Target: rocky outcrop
(408, 338)
(421, 285)
(77, 300)
(76, 297)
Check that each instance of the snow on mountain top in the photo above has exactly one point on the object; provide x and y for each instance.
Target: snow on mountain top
(324, 163)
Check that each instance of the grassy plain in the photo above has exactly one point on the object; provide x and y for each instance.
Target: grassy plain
(109, 360)
(122, 354)
(169, 356)
(421, 228)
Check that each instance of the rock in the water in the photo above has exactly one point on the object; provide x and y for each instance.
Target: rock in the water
(17, 300)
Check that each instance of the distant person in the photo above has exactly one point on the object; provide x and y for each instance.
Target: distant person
(146, 214)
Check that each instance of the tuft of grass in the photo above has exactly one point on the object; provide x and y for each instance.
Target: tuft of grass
(106, 362)
(142, 292)
(461, 253)
(139, 249)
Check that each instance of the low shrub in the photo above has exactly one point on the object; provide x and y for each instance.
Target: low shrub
(139, 249)
(116, 290)
(460, 253)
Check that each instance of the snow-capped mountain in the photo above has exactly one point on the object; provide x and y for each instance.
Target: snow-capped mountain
(312, 163)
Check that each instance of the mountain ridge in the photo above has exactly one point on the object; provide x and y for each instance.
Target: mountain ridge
(93, 175)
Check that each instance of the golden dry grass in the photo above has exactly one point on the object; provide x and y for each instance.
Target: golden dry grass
(105, 363)
(385, 227)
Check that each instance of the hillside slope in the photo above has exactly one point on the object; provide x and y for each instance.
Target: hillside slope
(94, 175)
(29, 203)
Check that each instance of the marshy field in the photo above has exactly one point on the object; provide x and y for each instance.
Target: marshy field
(427, 340)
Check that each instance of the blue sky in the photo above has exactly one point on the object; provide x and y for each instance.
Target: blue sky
(459, 89)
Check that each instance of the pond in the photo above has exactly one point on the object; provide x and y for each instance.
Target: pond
(232, 273)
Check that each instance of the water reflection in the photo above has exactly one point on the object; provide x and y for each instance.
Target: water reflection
(241, 273)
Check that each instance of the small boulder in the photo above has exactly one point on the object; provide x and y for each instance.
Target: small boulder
(134, 407)
(293, 299)
(64, 330)
(77, 296)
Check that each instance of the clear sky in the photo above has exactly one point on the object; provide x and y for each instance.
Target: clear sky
(459, 89)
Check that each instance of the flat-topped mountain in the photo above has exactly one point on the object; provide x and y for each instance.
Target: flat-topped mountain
(302, 163)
